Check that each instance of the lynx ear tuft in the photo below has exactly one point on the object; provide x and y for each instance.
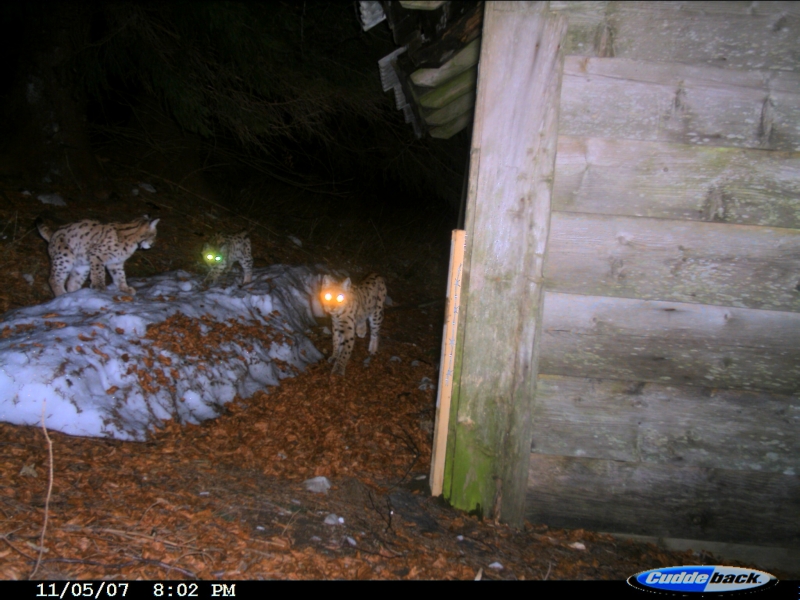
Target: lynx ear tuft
(346, 284)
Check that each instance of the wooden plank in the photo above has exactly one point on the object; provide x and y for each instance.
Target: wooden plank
(462, 105)
(665, 500)
(451, 128)
(447, 360)
(679, 261)
(732, 35)
(421, 4)
(680, 425)
(451, 90)
(677, 181)
(466, 58)
(670, 343)
(507, 220)
(670, 102)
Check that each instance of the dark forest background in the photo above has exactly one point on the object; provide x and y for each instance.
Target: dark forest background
(214, 95)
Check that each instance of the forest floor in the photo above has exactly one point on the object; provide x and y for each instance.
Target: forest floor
(225, 500)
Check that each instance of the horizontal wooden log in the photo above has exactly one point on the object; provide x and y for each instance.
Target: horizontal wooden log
(670, 102)
(466, 58)
(462, 105)
(664, 500)
(451, 128)
(733, 35)
(679, 425)
(670, 343)
(677, 181)
(421, 4)
(679, 261)
(449, 91)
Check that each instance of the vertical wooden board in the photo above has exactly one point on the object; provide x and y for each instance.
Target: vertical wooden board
(731, 35)
(677, 181)
(670, 102)
(688, 426)
(665, 500)
(679, 261)
(670, 343)
(508, 216)
(447, 360)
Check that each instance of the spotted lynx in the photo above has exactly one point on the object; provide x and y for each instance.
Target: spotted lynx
(350, 307)
(222, 251)
(90, 246)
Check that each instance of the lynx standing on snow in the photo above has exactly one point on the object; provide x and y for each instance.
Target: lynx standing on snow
(78, 248)
(222, 251)
(350, 307)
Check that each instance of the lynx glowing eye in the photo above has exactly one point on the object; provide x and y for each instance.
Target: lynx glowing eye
(217, 258)
(209, 257)
(328, 296)
(340, 298)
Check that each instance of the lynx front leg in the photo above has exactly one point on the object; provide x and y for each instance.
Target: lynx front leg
(345, 349)
(117, 271)
(247, 269)
(375, 320)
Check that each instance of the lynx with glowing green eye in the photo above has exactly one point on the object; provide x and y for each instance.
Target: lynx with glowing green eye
(222, 251)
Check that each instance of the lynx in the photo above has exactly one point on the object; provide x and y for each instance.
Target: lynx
(350, 307)
(222, 251)
(90, 246)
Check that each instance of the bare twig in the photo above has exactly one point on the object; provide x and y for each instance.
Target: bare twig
(4, 537)
(164, 565)
(49, 493)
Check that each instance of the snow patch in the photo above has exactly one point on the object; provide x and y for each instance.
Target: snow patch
(84, 359)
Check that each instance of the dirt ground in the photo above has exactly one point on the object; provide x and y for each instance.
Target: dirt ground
(226, 500)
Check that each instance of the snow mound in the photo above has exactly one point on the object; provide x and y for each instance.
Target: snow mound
(108, 365)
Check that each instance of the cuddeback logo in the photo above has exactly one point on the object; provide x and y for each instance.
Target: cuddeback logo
(701, 579)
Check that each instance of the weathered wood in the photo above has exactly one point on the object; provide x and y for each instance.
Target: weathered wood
(679, 425)
(451, 128)
(665, 500)
(421, 4)
(670, 343)
(677, 181)
(449, 91)
(460, 106)
(508, 215)
(670, 102)
(465, 59)
(733, 35)
(680, 261)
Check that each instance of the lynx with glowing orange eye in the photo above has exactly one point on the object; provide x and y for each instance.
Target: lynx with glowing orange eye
(352, 308)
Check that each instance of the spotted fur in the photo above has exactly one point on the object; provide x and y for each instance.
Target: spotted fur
(350, 307)
(90, 246)
(222, 251)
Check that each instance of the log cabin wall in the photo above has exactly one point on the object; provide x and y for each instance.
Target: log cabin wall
(668, 393)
